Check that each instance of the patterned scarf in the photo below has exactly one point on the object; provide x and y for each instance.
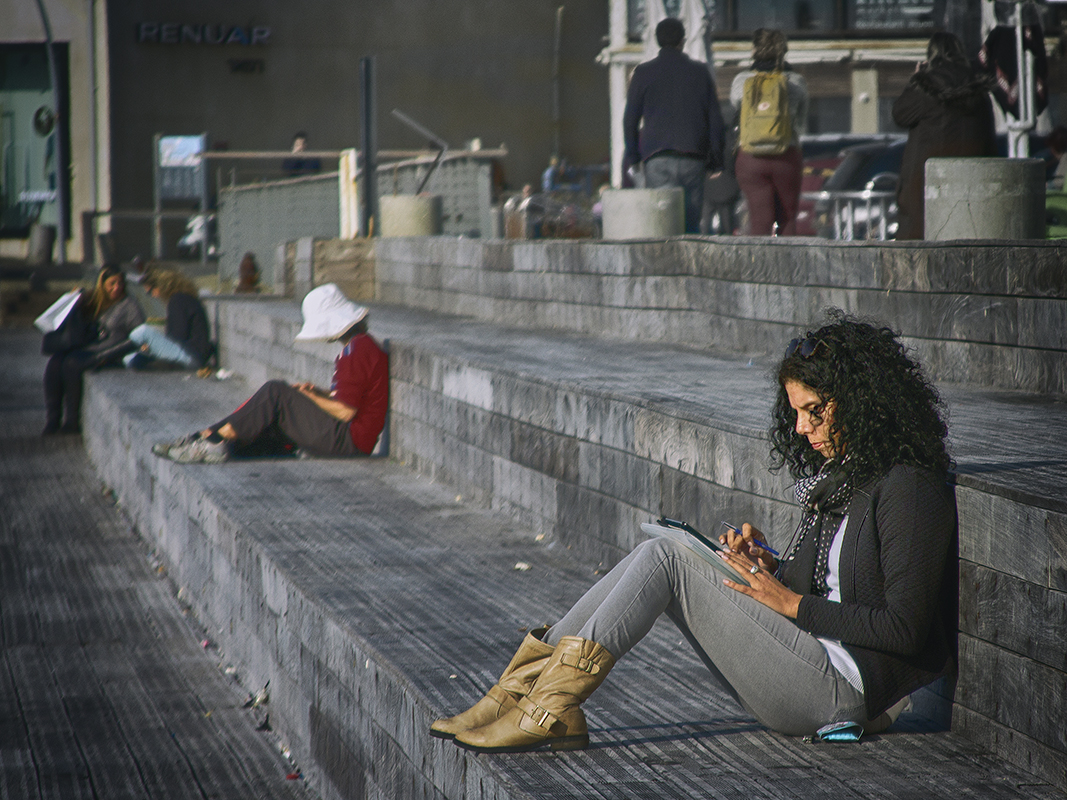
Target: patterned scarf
(824, 499)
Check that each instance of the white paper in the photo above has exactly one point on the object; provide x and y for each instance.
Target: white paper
(54, 315)
(697, 547)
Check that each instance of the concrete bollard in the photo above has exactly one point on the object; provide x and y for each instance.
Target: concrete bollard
(40, 245)
(410, 215)
(984, 198)
(643, 213)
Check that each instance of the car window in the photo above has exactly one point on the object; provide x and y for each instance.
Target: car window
(861, 164)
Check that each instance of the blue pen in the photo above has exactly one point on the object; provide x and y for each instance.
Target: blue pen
(764, 545)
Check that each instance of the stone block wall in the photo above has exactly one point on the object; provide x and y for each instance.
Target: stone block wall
(987, 313)
(347, 262)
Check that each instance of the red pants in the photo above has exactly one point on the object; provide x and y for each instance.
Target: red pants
(771, 185)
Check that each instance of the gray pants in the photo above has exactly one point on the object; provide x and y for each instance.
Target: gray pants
(686, 172)
(286, 416)
(779, 673)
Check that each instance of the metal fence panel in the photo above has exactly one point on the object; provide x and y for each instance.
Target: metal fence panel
(257, 218)
(465, 186)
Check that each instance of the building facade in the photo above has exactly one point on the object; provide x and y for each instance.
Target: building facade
(856, 55)
(251, 73)
(538, 78)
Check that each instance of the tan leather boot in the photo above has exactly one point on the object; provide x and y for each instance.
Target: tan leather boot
(514, 683)
(551, 713)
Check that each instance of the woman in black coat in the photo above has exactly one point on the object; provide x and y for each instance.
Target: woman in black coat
(947, 112)
(856, 612)
(104, 320)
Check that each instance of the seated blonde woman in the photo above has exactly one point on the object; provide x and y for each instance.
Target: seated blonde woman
(185, 341)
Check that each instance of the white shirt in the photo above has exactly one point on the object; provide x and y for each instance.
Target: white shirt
(839, 656)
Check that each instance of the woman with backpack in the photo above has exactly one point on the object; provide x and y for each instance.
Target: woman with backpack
(772, 102)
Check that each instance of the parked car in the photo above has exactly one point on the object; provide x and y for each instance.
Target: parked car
(823, 153)
(861, 193)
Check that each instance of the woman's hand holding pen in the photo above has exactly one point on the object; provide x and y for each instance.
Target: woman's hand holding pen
(748, 541)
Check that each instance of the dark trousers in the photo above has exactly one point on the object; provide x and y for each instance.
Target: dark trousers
(279, 414)
(63, 386)
(771, 185)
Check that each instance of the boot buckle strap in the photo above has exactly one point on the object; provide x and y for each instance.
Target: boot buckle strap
(540, 717)
(580, 663)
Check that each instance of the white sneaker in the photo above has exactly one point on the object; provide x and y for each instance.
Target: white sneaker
(164, 448)
(195, 451)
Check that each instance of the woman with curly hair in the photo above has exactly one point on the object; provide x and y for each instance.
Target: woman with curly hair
(857, 613)
(185, 340)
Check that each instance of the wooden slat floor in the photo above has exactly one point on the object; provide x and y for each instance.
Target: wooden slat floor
(105, 690)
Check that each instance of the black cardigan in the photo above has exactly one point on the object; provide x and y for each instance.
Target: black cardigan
(187, 325)
(899, 586)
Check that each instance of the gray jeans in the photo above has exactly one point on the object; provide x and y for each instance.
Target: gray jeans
(779, 673)
(689, 174)
(279, 409)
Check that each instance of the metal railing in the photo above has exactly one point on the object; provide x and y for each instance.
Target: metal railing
(860, 214)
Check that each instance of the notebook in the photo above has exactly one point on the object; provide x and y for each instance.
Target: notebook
(686, 534)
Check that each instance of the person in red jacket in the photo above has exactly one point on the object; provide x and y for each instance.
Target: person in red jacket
(344, 420)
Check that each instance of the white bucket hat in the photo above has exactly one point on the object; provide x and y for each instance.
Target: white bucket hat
(328, 314)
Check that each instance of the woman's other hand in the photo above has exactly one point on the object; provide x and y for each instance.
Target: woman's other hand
(749, 543)
(763, 586)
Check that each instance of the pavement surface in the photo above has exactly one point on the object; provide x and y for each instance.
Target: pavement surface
(106, 690)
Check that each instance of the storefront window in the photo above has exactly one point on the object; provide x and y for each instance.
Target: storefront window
(892, 14)
(842, 17)
(30, 165)
(795, 15)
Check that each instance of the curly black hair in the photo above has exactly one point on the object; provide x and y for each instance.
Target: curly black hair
(885, 411)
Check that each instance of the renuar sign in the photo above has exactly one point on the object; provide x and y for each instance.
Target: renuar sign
(190, 33)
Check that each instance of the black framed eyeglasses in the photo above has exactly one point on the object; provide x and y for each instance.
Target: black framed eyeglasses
(806, 347)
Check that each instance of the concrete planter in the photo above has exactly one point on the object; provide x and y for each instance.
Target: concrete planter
(643, 213)
(410, 215)
(985, 198)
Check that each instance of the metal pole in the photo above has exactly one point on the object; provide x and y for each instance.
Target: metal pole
(1018, 140)
(430, 135)
(157, 201)
(94, 124)
(205, 200)
(61, 144)
(556, 82)
(369, 119)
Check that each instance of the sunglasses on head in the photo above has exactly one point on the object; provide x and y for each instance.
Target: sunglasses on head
(806, 347)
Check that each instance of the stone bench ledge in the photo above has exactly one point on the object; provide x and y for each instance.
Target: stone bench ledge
(359, 590)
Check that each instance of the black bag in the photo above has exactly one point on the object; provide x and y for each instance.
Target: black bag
(74, 333)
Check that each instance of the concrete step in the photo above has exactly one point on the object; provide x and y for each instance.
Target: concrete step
(374, 600)
(106, 689)
(316, 570)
